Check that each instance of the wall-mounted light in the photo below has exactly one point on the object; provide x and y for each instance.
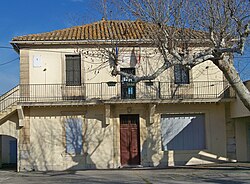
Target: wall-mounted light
(129, 109)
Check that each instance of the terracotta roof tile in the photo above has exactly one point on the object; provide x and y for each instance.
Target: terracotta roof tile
(105, 30)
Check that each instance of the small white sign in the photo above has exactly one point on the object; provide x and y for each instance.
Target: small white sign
(37, 61)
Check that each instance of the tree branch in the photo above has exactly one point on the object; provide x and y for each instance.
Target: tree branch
(153, 76)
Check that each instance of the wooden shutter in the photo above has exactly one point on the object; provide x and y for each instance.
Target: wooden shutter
(73, 70)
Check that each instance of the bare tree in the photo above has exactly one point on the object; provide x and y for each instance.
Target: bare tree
(107, 9)
(224, 24)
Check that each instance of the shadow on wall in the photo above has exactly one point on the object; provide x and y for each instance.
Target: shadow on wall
(82, 141)
(68, 144)
(150, 148)
(133, 59)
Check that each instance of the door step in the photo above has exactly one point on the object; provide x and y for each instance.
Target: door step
(130, 166)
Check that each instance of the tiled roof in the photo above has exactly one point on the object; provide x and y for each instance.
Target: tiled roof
(103, 30)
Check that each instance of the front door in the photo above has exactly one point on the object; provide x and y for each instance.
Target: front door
(129, 140)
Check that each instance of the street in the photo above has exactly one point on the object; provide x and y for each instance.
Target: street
(138, 176)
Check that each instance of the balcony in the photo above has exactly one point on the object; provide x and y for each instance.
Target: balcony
(113, 92)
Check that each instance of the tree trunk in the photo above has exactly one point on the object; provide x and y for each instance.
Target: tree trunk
(233, 78)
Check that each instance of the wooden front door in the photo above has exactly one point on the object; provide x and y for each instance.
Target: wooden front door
(129, 140)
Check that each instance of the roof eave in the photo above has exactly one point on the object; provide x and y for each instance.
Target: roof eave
(80, 41)
(15, 43)
(15, 47)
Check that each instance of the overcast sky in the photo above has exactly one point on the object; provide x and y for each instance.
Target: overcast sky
(21, 17)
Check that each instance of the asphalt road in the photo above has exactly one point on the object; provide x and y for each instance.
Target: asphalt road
(132, 176)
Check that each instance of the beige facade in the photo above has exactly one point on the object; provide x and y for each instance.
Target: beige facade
(205, 79)
(42, 137)
(45, 149)
(102, 120)
(53, 61)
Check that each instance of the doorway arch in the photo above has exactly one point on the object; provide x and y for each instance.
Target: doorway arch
(8, 152)
(8, 145)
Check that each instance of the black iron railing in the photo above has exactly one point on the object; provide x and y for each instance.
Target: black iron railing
(116, 91)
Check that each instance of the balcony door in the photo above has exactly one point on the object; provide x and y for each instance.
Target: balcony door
(128, 86)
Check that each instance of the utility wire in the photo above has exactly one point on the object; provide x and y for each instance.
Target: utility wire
(5, 47)
(9, 61)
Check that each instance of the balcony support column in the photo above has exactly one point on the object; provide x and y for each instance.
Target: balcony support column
(107, 114)
(20, 116)
(152, 108)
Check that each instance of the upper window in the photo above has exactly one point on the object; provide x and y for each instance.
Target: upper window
(73, 70)
(181, 74)
(73, 130)
(183, 132)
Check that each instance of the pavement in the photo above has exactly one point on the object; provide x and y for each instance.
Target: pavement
(228, 173)
(217, 166)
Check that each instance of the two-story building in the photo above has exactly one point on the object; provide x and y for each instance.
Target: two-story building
(69, 112)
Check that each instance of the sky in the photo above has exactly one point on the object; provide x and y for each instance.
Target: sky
(22, 17)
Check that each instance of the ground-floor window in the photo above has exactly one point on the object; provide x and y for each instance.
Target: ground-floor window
(183, 132)
(73, 131)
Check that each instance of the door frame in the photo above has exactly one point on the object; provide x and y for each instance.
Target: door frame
(138, 137)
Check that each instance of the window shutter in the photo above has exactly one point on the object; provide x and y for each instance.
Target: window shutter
(181, 75)
(73, 70)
